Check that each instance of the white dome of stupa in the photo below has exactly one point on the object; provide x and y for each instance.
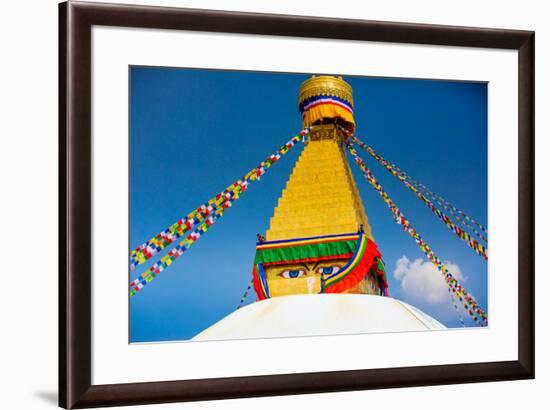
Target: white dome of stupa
(319, 314)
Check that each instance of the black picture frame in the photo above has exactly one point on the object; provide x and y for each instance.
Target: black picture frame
(75, 194)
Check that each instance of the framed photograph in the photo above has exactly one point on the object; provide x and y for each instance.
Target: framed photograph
(257, 204)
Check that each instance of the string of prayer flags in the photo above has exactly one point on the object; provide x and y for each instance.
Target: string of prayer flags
(467, 221)
(199, 221)
(221, 201)
(245, 294)
(146, 277)
(459, 314)
(458, 231)
(468, 301)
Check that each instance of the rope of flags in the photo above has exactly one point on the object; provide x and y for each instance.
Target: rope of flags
(146, 277)
(467, 221)
(221, 201)
(468, 301)
(199, 225)
(458, 218)
(175, 231)
(463, 218)
(245, 294)
(459, 314)
(480, 249)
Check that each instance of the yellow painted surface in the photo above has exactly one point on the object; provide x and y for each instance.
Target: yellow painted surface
(320, 197)
(309, 279)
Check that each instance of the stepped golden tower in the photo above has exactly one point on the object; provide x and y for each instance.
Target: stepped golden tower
(319, 239)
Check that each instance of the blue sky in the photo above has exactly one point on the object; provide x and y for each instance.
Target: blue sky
(193, 132)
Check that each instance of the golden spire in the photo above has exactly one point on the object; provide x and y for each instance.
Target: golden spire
(321, 203)
(320, 197)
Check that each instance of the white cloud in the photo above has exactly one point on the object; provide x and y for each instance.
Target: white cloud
(421, 281)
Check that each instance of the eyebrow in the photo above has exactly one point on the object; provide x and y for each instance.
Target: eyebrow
(314, 266)
(305, 266)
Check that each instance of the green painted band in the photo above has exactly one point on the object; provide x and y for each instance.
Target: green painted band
(293, 253)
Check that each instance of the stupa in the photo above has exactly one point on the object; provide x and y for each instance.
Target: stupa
(317, 269)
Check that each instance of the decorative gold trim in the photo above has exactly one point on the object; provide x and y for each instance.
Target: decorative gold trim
(326, 131)
(326, 85)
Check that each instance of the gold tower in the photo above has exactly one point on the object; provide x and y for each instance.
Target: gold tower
(320, 197)
(319, 207)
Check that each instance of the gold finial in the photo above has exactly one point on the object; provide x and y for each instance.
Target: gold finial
(326, 85)
(326, 98)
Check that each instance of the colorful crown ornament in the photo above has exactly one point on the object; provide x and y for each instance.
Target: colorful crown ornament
(325, 98)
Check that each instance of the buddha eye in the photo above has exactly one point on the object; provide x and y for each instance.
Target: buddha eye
(328, 270)
(292, 273)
